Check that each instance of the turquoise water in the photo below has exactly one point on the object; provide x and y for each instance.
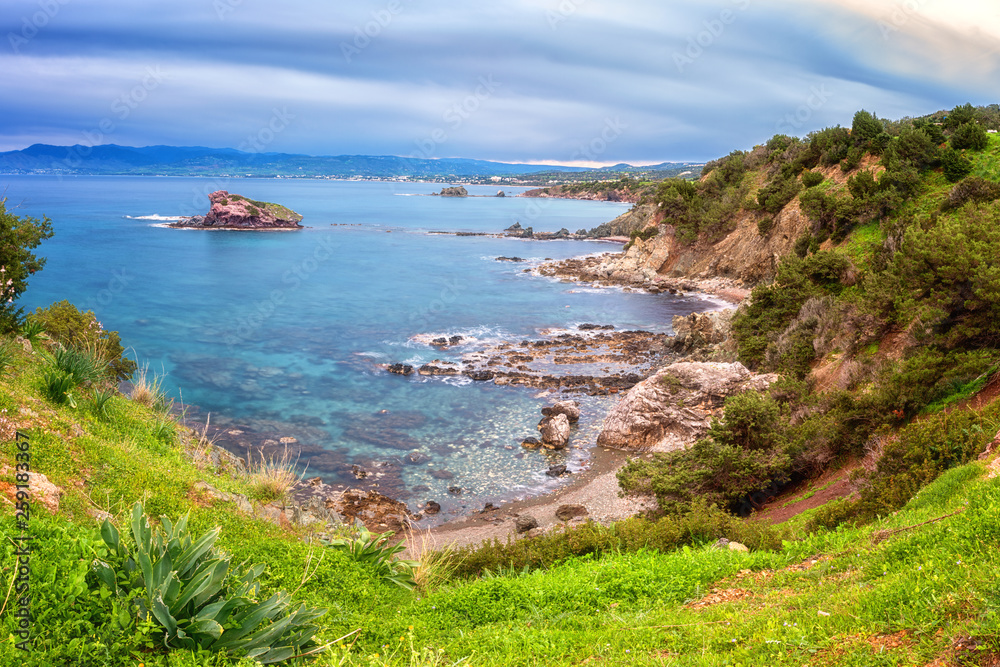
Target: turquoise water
(282, 331)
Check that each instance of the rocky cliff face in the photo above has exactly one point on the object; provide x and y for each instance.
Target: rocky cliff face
(232, 211)
(744, 255)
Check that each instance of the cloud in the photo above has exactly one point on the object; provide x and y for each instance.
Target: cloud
(681, 80)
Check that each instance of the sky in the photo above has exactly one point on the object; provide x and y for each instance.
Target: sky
(582, 82)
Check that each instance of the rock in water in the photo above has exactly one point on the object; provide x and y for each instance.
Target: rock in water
(673, 407)
(555, 431)
(569, 408)
(457, 191)
(232, 211)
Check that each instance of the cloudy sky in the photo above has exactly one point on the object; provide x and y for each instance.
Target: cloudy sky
(567, 81)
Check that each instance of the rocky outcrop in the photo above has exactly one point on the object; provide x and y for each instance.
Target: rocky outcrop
(634, 220)
(704, 336)
(457, 191)
(236, 212)
(675, 406)
(517, 231)
(569, 408)
(555, 431)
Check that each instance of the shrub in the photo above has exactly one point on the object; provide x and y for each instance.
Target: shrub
(772, 307)
(19, 236)
(743, 453)
(765, 225)
(921, 452)
(811, 179)
(956, 166)
(188, 588)
(56, 387)
(972, 189)
(852, 160)
(80, 366)
(65, 324)
(702, 523)
(374, 550)
(775, 195)
(970, 135)
(866, 126)
(947, 278)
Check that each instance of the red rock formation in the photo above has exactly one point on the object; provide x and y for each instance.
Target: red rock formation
(231, 211)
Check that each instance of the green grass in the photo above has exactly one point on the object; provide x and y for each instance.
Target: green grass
(626, 606)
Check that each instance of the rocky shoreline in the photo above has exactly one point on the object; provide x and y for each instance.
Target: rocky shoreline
(614, 270)
(649, 370)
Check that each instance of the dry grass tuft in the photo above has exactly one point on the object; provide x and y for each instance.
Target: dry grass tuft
(271, 478)
(434, 566)
(147, 389)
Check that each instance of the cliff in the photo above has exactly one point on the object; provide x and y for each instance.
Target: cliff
(232, 211)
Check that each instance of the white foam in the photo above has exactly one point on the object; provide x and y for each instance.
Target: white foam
(155, 216)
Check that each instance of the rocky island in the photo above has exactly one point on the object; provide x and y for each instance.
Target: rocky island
(457, 191)
(236, 212)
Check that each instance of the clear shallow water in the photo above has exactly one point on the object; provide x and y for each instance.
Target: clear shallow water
(284, 329)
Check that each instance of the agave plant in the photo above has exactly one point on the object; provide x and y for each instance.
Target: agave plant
(187, 587)
(373, 549)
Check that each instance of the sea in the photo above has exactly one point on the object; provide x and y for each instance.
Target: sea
(286, 332)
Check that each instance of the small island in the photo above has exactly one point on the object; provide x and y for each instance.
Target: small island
(236, 212)
(457, 191)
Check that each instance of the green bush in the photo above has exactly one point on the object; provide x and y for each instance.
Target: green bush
(811, 179)
(743, 453)
(775, 195)
(956, 166)
(916, 457)
(19, 236)
(702, 523)
(772, 307)
(374, 550)
(78, 365)
(972, 189)
(947, 278)
(65, 324)
(188, 588)
(57, 386)
(970, 135)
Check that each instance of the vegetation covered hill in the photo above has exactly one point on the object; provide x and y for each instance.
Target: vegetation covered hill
(880, 321)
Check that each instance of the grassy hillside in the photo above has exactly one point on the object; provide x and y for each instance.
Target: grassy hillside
(881, 324)
(906, 589)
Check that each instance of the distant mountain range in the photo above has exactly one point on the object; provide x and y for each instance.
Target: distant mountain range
(111, 159)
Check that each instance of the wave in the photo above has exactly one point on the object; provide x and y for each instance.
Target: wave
(155, 216)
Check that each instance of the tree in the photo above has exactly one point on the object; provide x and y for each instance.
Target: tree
(19, 236)
(956, 166)
(866, 126)
(970, 135)
(960, 115)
